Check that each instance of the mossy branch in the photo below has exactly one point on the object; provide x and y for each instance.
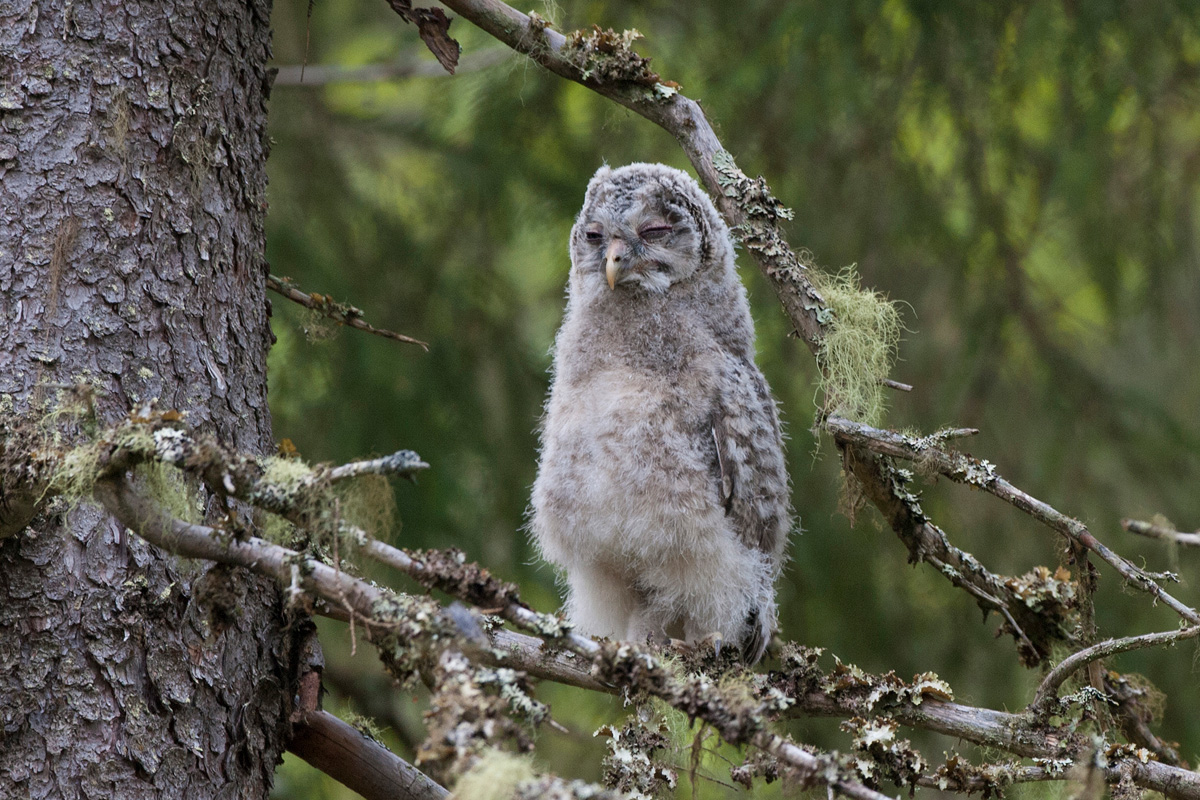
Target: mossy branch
(392, 620)
(930, 455)
(409, 629)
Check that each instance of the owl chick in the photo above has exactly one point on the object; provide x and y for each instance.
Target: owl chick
(661, 490)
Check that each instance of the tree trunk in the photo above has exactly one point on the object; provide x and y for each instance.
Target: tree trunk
(132, 196)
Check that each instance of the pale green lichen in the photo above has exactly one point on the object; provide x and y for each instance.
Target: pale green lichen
(367, 502)
(169, 490)
(76, 473)
(858, 347)
(494, 776)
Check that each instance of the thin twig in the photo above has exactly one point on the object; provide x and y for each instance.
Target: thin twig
(1155, 531)
(1111, 647)
(342, 313)
(317, 75)
(897, 385)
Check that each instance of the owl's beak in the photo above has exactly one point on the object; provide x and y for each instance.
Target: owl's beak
(616, 251)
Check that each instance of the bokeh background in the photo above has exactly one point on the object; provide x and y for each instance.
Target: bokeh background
(1024, 177)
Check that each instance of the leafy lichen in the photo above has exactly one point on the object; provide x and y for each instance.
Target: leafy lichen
(605, 56)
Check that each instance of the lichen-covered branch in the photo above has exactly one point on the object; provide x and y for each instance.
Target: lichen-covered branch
(403, 462)
(412, 633)
(1037, 608)
(961, 468)
(634, 668)
(341, 313)
(1069, 665)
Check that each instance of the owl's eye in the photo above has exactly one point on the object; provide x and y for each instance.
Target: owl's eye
(653, 233)
(592, 236)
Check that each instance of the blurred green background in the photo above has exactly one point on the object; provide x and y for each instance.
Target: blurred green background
(1023, 176)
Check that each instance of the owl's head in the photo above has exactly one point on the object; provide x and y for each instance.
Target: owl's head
(646, 227)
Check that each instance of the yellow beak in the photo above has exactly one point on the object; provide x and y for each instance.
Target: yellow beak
(616, 250)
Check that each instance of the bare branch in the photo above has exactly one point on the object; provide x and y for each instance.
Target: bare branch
(342, 313)
(1155, 531)
(403, 462)
(897, 385)
(1111, 647)
(358, 761)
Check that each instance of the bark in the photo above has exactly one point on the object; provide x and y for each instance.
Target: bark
(132, 196)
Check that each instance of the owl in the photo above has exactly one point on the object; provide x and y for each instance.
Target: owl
(662, 493)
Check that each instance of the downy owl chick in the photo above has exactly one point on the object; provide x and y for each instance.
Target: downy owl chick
(661, 490)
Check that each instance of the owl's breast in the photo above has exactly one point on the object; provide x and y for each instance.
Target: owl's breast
(626, 465)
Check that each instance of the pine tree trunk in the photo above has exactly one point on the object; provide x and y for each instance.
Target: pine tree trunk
(132, 196)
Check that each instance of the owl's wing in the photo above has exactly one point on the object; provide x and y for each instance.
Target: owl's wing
(749, 463)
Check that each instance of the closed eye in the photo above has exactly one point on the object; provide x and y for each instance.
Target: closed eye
(653, 233)
(592, 236)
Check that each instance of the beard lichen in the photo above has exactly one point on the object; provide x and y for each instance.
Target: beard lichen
(858, 347)
(368, 503)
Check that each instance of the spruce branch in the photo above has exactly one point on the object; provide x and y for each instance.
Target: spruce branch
(341, 313)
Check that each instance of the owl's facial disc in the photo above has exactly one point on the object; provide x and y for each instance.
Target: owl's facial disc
(638, 253)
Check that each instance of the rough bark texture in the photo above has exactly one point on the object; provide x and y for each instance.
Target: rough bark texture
(132, 195)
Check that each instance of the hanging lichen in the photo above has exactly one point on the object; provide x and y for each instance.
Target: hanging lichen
(858, 347)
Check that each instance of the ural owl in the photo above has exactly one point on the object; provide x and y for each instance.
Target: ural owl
(661, 490)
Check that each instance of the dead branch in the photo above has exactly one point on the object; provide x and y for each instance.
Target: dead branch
(358, 761)
(1155, 531)
(403, 462)
(1035, 631)
(799, 688)
(341, 313)
(979, 473)
(1111, 647)
(382, 612)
